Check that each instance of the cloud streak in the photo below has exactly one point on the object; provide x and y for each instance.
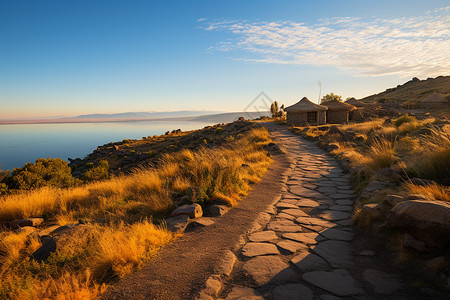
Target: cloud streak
(415, 46)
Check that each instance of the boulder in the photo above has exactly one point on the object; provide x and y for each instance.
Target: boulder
(48, 247)
(26, 222)
(26, 230)
(192, 210)
(216, 210)
(426, 221)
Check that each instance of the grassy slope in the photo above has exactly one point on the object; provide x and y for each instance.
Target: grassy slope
(413, 91)
(128, 204)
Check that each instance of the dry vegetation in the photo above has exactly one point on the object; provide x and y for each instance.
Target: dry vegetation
(410, 147)
(129, 206)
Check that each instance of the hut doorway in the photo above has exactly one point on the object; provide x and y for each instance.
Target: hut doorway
(312, 117)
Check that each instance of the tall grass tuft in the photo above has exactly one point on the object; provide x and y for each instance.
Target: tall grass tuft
(433, 191)
(381, 154)
(434, 162)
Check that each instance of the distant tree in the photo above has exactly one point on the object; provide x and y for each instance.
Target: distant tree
(282, 107)
(274, 108)
(331, 96)
(44, 172)
(3, 185)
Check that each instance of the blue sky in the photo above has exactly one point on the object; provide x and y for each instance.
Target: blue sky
(65, 58)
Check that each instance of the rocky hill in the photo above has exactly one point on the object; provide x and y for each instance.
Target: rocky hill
(413, 90)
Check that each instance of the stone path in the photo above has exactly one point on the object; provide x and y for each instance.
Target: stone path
(303, 247)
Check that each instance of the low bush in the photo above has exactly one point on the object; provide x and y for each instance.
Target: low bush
(404, 119)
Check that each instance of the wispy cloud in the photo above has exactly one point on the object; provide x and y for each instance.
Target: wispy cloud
(415, 46)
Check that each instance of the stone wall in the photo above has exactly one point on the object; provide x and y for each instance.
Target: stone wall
(301, 118)
(337, 117)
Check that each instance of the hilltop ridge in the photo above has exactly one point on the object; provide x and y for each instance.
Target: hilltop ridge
(413, 90)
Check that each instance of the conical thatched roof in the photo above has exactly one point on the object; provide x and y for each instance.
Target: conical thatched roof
(305, 105)
(354, 102)
(335, 105)
(435, 98)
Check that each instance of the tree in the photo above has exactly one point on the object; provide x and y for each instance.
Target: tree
(44, 172)
(274, 109)
(331, 96)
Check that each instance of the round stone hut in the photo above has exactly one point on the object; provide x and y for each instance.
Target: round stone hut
(338, 112)
(358, 113)
(434, 101)
(305, 112)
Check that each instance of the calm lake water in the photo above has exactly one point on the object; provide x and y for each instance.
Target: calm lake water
(25, 143)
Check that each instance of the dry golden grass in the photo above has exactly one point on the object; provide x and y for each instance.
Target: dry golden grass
(434, 191)
(117, 248)
(381, 154)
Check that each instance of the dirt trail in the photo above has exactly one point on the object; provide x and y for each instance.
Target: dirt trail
(305, 246)
(181, 269)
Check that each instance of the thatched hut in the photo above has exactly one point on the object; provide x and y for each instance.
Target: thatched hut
(358, 113)
(355, 103)
(434, 101)
(305, 112)
(338, 112)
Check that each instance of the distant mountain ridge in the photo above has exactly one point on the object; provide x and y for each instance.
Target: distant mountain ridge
(147, 115)
(413, 90)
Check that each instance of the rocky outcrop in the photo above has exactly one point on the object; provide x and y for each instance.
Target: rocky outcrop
(426, 221)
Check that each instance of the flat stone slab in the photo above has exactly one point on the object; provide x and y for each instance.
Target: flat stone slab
(285, 216)
(337, 234)
(334, 215)
(338, 282)
(263, 236)
(306, 261)
(344, 202)
(284, 226)
(241, 293)
(315, 222)
(382, 283)
(291, 246)
(256, 249)
(199, 223)
(226, 265)
(327, 189)
(305, 238)
(341, 207)
(283, 204)
(346, 222)
(295, 212)
(341, 196)
(307, 203)
(292, 292)
(265, 269)
(337, 253)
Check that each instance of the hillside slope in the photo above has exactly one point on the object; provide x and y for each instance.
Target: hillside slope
(413, 90)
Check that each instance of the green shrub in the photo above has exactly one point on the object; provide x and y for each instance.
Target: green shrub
(404, 119)
(44, 172)
(98, 173)
(219, 130)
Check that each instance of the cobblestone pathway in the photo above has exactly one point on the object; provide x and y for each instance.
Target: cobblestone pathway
(301, 247)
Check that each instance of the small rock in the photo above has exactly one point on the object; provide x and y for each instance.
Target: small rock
(292, 292)
(243, 293)
(295, 212)
(256, 249)
(437, 263)
(213, 286)
(198, 223)
(177, 223)
(227, 263)
(27, 230)
(33, 222)
(216, 210)
(192, 210)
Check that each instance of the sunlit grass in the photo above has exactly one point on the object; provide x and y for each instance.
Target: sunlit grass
(79, 268)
